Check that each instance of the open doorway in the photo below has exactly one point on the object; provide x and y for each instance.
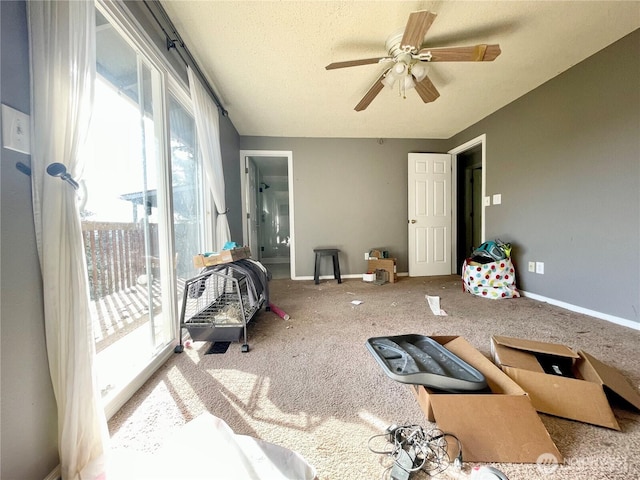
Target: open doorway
(267, 209)
(470, 186)
(469, 217)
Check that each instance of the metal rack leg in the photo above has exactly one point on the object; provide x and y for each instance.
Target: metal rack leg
(245, 345)
(180, 347)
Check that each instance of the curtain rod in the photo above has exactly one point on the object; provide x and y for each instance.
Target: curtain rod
(177, 41)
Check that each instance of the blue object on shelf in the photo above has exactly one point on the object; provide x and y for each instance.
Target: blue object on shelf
(229, 246)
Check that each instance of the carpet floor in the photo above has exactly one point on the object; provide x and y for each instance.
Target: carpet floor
(310, 385)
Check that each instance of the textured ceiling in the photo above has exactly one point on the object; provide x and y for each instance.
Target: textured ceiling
(266, 59)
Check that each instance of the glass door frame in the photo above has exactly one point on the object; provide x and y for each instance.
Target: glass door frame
(165, 81)
(181, 95)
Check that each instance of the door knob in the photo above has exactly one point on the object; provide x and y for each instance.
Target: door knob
(412, 221)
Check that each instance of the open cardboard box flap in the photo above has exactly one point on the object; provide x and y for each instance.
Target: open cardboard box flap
(516, 352)
(613, 379)
(528, 346)
(501, 426)
(582, 398)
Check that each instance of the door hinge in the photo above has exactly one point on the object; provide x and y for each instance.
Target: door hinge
(248, 215)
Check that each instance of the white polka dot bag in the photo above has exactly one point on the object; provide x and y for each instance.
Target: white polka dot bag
(493, 280)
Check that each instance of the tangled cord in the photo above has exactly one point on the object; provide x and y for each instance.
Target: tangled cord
(426, 449)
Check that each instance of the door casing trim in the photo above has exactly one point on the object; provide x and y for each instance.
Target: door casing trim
(480, 140)
(243, 192)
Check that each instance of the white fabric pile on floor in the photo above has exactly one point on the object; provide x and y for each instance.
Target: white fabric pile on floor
(207, 448)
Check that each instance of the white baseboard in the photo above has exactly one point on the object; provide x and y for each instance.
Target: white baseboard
(54, 474)
(351, 275)
(273, 260)
(327, 277)
(592, 313)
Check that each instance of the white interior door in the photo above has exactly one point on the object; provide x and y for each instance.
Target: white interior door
(429, 214)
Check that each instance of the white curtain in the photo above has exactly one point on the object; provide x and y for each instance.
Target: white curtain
(62, 43)
(208, 129)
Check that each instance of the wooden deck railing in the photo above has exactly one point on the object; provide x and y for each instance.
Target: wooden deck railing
(115, 255)
(116, 264)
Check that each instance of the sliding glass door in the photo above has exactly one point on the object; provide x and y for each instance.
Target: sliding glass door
(189, 210)
(143, 214)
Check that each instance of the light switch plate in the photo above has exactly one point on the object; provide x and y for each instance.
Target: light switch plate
(16, 133)
(497, 198)
(487, 201)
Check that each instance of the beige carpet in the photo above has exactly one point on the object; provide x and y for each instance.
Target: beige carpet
(309, 383)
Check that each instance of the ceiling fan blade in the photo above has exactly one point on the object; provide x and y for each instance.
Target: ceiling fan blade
(474, 53)
(371, 94)
(355, 63)
(417, 27)
(427, 91)
(469, 36)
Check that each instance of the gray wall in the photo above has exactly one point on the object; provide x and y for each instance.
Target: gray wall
(566, 159)
(28, 410)
(348, 193)
(230, 147)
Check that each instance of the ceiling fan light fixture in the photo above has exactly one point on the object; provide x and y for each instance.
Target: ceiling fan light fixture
(389, 80)
(397, 73)
(409, 82)
(419, 71)
(399, 69)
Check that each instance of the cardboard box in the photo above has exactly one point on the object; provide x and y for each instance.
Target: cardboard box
(501, 426)
(388, 264)
(581, 398)
(225, 256)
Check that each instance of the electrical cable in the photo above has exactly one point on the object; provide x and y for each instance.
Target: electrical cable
(426, 450)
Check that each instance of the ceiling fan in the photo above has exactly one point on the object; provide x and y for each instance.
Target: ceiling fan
(406, 57)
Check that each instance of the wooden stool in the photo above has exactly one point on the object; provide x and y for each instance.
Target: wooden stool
(321, 252)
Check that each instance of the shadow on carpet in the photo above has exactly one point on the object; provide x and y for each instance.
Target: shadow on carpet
(218, 347)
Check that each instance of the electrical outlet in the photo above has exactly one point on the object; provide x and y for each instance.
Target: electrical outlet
(366, 255)
(532, 266)
(540, 267)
